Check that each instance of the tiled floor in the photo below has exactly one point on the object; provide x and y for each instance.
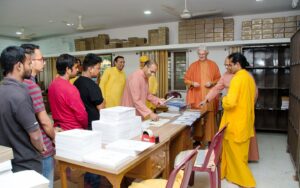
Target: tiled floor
(274, 169)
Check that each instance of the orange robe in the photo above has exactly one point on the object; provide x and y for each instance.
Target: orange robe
(203, 72)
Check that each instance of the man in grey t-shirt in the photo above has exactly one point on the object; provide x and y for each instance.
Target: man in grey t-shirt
(18, 126)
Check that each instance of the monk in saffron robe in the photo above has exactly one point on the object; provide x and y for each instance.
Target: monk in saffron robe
(200, 77)
(238, 114)
(113, 82)
(222, 84)
(136, 91)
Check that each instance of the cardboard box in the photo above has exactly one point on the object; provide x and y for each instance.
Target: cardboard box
(218, 35)
(246, 23)
(267, 26)
(229, 21)
(256, 22)
(208, 25)
(278, 20)
(278, 25)
(290, 24)
(89, 43)
(98, 43)
(244, 33)
(246, 37)
(79, 44)
(278, 30)
(209, 20)
(218, 39)
(257, 26)
(246, 28)
(256, 32)
(190, 40)
(200, 40)
(228, 35)
(228, 39)
(290, 29)
(288, 35)
(218, 20)
(219, 25)
(141, 41)
(218, 30)
(267, 31)
(267, 36)
(209, 40)
(200, 31)
(228, 30)
(209, 35)
(268, 21)
(199, 35)
(290, 19)
(127, 44)
(209, 30)
(278, 35)
(200, 21)
(256, 37)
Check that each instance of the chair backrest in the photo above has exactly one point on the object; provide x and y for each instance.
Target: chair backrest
(187, 164)
(215, 148)
(173, 93)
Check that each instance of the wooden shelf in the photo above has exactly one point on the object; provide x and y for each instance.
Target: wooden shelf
(181, 46)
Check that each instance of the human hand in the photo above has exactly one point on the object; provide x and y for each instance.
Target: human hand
(195, 84)
(208, 84)
(202, 103)
(161, 102)
(154, 117)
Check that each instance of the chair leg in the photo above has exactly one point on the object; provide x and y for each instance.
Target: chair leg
(213, 178)
(192, 179)
(219, 176)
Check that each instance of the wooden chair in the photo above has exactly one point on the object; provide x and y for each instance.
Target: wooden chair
(186, 165)
(209, 160)
(173, 93)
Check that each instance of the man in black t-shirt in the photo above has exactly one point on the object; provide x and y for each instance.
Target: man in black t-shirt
(90, 92)
(91, 96)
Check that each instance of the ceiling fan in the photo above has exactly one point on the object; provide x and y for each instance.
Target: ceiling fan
(23, 36)
(186, 14)
(81, 27)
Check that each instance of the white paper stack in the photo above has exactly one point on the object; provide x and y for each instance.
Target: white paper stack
(108, 159)
(74, 144)
(5, 167)
(130, 147)
(24, 179)
(118, 123)
(284, 103)
(187, 118)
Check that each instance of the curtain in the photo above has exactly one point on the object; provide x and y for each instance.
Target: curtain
(49, 72)
(161, 58)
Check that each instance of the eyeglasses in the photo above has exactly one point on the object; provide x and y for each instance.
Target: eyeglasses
(42, 59)
(228, 65)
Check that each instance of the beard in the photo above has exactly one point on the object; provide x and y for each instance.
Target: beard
(27, 74)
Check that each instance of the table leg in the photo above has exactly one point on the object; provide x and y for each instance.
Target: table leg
(63, 174)
(115, 180)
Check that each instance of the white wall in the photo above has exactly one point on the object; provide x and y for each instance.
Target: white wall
(5, 42)
(131, 61)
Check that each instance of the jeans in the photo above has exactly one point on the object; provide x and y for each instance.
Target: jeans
(48, 169)
(92, 179)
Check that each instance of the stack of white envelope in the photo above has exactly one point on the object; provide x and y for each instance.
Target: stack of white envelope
(118, 123)
(74, 144)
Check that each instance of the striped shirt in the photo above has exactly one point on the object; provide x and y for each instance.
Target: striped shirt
(38, 106)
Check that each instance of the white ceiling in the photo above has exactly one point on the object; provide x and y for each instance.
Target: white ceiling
(34, 15)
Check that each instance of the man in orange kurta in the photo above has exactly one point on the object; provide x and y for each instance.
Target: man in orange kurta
(200, 77)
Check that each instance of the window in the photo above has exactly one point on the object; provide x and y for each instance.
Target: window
(176, 70)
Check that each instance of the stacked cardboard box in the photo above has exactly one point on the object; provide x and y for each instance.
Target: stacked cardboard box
(246, 30)
(163, 36)
(209, 30)
(298, 22)
(182, 32)
(135, 41)
(228, 29)
(101, 41)
(89, 43)
(218, 30)
(278, 27)
(200, 30)
(290, 26)
(158, 36)
(79, 44)
(256, 32)
(267, 28)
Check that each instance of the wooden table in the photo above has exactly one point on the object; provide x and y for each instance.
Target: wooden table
(149, 164)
